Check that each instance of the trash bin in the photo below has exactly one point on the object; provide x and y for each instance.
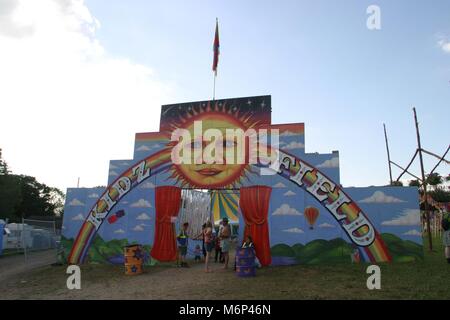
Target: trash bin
(134, 259)
(245, 262)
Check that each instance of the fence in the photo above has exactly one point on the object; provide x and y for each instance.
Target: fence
(40, 241)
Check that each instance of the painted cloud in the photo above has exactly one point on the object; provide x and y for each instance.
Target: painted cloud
(294, 230)
(138, 228)
(294, 145)
(147, 185)
(280, 185)
(289, 193)
(143, 216)
(380, 197)
(141, 203)
(326, 225)
(143, 148)
(286, 210)
(78, 217)
(93, 195)
(413, 232)
(331, 163)
(288, 133)
(76, 202)
(119, 231)
(409, 217)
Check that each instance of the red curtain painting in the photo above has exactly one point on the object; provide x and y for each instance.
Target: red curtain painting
(167, 204)
(254, 202)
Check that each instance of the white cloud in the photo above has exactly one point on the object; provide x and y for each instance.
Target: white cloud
(286, 210)
(78, 217)
(147, 185)
(326, 225)
(93, 195)
(331, 163)
(289, 193)
(111, 166)
(444, 44)
(408, 217)
(55, 69)
(380, 197)
(143, 148)
(119, 231)
(294, 145)
(413, 232)
(138, 228)
(124, 164)
(113, 173)
(294, 230)
(280, 185)
(141, 203)
(76, 202)
(143, 216)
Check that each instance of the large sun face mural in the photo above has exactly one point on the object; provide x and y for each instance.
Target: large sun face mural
(238, 114)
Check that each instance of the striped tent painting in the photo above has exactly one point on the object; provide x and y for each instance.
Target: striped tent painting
(225, 203)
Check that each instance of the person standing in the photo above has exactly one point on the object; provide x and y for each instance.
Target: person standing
(183, 244)
(446, 235)
(225, 241)
(217, 250)
(209, 243)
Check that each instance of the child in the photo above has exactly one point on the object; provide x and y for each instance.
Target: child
(248, 243)
(183, 244)
(197, 253)
(217, 251)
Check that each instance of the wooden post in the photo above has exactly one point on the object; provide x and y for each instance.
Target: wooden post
(388, 155)
(424, 182)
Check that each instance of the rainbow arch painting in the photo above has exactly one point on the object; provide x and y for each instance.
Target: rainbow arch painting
(366, 224)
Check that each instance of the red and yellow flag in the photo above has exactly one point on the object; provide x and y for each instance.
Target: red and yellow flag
(216, 48)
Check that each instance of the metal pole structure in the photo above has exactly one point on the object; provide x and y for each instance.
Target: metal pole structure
(424, 182)
(388, 155)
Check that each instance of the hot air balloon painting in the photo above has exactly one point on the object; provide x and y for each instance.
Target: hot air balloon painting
(311, 215)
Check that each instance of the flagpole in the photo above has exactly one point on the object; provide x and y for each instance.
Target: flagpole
(214, 87)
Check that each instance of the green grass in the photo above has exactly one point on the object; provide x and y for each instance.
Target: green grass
(426, 278)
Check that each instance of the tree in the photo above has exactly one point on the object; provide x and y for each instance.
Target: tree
(3, 165)
(414, 183)
(434, 179)
(440, 195)
(22, 196)
(397, 183)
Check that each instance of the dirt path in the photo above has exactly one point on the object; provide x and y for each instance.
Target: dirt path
(110, 282)
(15, 264)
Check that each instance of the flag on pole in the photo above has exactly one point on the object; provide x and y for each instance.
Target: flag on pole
(216, 48)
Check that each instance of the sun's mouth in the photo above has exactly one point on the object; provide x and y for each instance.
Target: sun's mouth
(208, 171)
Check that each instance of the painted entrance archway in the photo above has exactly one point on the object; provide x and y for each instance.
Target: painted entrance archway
(351, 218)
(373, 224)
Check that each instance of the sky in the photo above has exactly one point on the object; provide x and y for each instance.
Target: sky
(79, 78)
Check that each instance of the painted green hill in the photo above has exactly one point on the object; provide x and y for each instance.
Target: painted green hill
(100, 251)
(402, 250)
(338, 250)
